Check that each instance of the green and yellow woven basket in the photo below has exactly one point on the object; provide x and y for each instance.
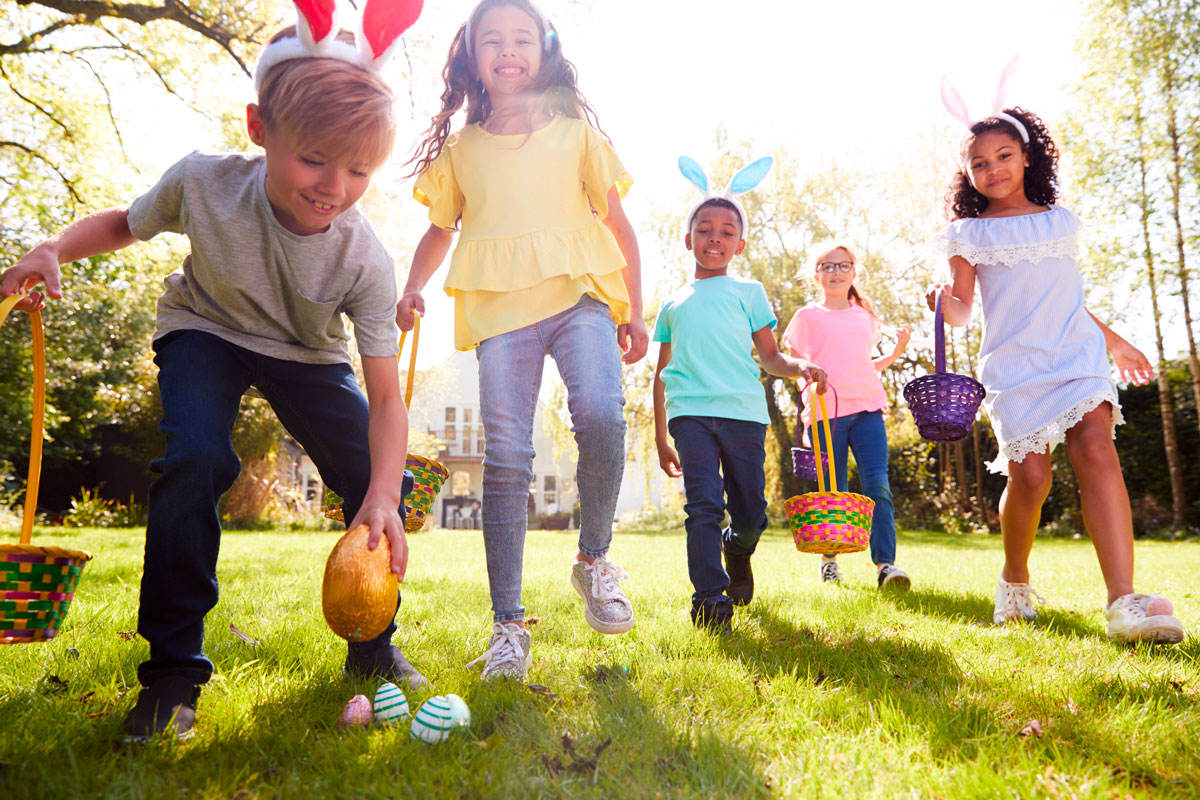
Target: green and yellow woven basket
(37, 584)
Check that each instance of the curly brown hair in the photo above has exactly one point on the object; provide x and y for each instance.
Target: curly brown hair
(556, 81)
(1041, 176)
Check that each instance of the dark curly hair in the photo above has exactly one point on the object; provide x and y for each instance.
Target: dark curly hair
(1041, 176)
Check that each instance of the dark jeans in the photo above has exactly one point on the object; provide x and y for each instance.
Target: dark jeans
(864, 434)
(202, 378)
(722, 461)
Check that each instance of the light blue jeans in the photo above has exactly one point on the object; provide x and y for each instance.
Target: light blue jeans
(583, 343)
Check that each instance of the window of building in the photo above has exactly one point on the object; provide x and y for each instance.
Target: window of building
(450, 414)
(460, 483)
(466, 415)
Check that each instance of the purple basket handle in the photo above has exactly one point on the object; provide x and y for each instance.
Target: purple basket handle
(800, 410)
(939, 335)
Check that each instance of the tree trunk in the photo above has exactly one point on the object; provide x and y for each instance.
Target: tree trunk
(1166, 402)
(1176, 181)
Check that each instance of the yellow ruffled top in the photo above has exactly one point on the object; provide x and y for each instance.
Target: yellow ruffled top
(532, 240)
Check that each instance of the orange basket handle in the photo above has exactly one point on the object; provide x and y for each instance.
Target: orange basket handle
(39, 408)
(818, 401)
(412, 359)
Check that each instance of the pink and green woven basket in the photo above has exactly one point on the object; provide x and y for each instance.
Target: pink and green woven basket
(428, 475)
(37, 584)
(829, 521)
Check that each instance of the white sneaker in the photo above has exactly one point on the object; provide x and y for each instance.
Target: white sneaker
(604, 603)
(1143, 618)
(1015, 601)
(830, 572)
(508, 653)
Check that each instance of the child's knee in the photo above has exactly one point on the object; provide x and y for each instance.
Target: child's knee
(1031, 479)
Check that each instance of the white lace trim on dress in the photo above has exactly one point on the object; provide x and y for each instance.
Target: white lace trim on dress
(1054, 432)
(1008, 255)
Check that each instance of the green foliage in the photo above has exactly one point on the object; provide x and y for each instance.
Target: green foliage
(820, 691)
(90, 510)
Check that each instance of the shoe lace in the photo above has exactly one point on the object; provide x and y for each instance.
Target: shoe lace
(505, 646)
(606, 579)
(1019, 598)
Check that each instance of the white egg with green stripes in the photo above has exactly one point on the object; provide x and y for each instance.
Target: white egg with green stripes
(434, 720)
(390, 704)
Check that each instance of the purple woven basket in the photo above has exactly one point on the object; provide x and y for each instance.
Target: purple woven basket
(943, 404)
(804, 460)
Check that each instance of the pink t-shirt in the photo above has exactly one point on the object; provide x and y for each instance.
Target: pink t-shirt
(839, 342)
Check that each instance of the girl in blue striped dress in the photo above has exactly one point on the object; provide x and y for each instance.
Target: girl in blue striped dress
(1042, 361)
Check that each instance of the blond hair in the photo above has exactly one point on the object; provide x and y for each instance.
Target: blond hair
(821, 249)
(330, 106)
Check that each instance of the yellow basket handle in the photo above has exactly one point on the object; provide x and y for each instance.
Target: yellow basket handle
(412, 359)
(39, 407)
(818, 401)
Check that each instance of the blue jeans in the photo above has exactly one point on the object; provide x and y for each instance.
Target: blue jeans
(583, 343)
(864, 433)
(722, 462)
(202, 378)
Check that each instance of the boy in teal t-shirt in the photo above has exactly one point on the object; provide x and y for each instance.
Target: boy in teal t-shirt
(707, 395)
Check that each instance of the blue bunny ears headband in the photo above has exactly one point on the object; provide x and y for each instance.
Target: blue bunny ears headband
(743, 181)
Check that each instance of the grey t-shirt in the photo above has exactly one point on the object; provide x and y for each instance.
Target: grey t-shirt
(256, 284)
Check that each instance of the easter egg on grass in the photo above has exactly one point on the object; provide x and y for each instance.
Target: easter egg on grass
(390, 704)
(433, 721)
(358, 594)
(357, 713)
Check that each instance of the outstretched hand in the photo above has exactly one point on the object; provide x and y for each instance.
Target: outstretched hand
(1132, 364)
(35, 267)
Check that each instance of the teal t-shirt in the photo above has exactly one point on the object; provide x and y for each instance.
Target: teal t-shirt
(710, 324)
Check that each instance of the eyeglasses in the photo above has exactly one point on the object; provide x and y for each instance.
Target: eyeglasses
(835, 266)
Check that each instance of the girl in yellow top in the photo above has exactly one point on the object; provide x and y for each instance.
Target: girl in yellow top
(546, 264)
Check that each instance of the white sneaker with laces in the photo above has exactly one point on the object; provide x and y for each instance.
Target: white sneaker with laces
(1015, 601)
(604, 603)
(508, 653)
(1143, 618)
(830, 572)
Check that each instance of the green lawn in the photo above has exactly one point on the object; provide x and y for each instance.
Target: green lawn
(821, 691)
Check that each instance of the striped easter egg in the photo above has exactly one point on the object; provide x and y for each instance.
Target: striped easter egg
(390, 704)
(433, 721)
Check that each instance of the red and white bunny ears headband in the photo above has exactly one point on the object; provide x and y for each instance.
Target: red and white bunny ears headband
(743, 181)
(958, 108)
(382, 23)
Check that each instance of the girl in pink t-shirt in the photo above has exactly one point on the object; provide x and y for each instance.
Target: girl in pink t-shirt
(838, 334)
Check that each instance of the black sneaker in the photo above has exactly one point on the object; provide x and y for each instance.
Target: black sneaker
(385, 662)
(741, 578)
(167, 706)
(713, 617)
(894, 579)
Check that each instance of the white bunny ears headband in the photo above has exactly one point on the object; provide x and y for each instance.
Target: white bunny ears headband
(957, 107)
(743, 181)
(382, 23)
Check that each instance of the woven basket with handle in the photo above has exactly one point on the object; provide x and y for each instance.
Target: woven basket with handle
(829, 521)
(37, 584)
(943, 404)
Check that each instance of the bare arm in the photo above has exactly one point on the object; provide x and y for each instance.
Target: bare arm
(776, 363)
(957, 296)
(431, 252)
(388, 439)
(632, 336)
(903, 334)
(1132, 364)
(100, 232)
(668, 459)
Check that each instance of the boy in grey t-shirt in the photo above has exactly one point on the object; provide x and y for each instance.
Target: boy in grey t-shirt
(279, 254)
